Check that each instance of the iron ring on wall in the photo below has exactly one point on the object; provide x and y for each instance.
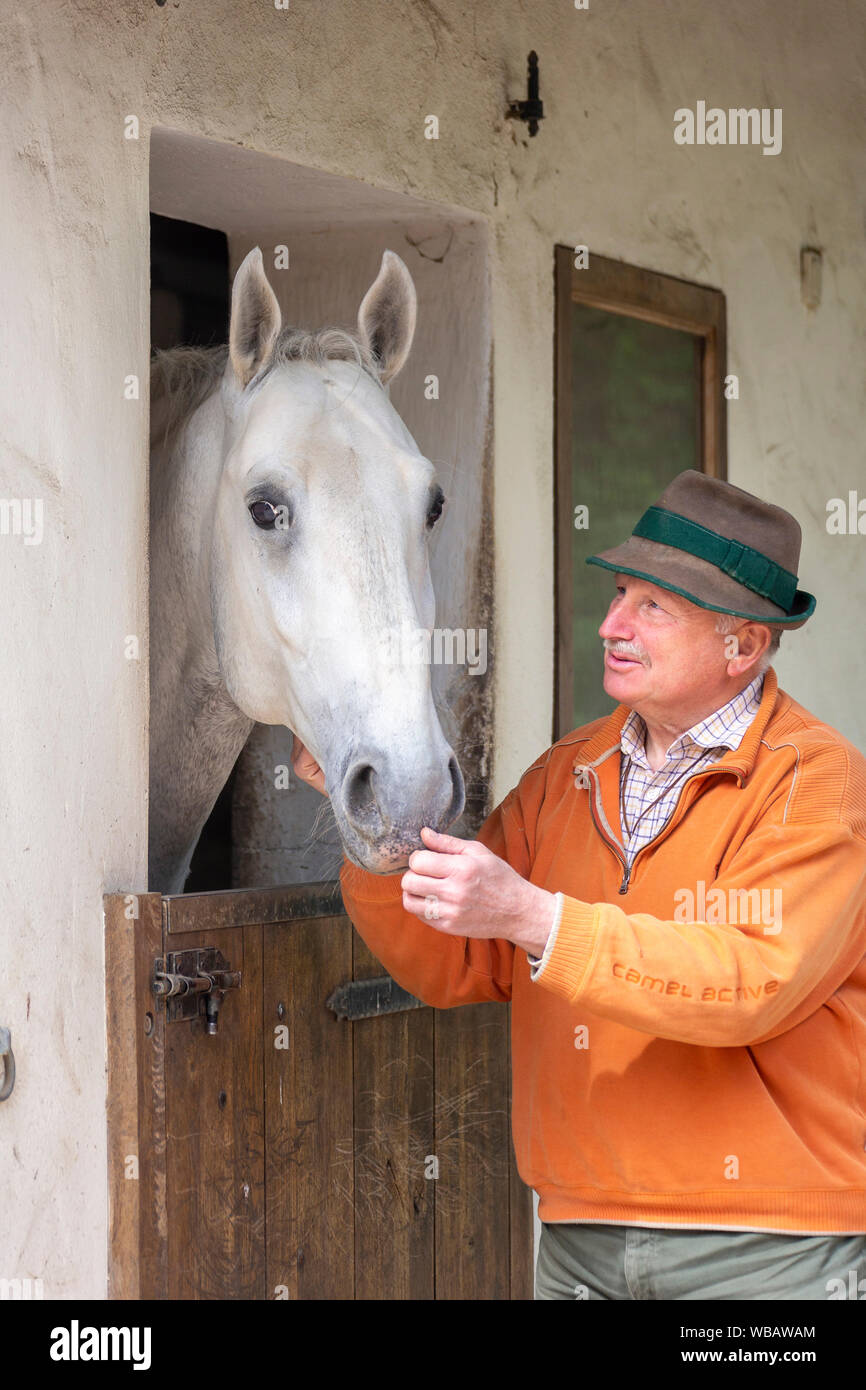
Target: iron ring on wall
(7, 1056)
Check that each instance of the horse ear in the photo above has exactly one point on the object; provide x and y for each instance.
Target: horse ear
(386, 318)
(255, 318)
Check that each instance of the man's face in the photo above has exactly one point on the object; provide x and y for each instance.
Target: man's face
(662, 653)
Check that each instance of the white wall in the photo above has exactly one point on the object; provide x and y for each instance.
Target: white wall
(345, 86)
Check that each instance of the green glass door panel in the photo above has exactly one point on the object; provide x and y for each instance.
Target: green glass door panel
(635, 399)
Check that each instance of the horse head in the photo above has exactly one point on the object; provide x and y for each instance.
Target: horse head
(319, 566)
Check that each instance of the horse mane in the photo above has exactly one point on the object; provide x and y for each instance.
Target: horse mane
(182, 378)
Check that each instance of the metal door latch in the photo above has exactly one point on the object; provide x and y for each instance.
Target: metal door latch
(194, 983)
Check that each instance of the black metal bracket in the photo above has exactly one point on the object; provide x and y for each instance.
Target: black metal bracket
(370, 998)
(532, 109)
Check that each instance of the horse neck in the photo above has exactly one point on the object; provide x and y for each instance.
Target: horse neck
(183, 487)
(187, 687)
(196, 730)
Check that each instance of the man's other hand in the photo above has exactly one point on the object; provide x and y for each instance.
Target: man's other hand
(306, 768)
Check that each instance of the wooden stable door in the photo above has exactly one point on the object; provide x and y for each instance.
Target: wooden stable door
(274, 1148)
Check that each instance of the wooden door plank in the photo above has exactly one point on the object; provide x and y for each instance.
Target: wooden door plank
(473, 1141)
(309, 1179)
(521, 1242)
(394, 1134)
(122, 1022)
(138, 1248)
(215, 1134)
(246, 907)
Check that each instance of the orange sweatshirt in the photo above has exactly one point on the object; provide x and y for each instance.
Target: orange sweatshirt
(694, 1051)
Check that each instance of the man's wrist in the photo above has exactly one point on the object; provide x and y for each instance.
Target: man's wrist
(541, 914)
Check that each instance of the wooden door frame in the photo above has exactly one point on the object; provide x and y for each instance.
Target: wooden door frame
(637, 293)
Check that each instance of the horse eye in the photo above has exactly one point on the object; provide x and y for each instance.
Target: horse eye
(267, 516)
(264, 515)
(435, 511)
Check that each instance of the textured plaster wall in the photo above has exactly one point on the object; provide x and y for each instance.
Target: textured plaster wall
(346, 87)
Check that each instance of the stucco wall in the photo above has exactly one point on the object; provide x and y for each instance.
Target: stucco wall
(346, 87)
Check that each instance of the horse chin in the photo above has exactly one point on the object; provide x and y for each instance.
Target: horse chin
(391, 857)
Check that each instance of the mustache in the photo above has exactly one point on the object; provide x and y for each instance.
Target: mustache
(625, 649)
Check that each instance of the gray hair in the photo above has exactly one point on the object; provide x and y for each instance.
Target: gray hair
(726, 623)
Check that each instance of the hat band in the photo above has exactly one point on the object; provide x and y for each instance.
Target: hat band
(749, 567)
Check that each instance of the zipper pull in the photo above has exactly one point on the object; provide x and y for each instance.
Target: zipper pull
(623, 887)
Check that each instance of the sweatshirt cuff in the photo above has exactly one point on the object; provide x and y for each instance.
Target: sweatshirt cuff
(570, 948)
(370, 888)
(537, 963)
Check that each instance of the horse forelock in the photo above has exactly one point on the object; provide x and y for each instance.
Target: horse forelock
(182, 378)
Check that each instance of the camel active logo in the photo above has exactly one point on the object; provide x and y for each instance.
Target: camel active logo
(736, 907)
(736, 126)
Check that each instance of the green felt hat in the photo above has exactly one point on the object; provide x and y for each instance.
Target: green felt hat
(721, 548)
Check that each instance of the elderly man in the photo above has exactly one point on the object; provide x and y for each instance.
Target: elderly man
(674, 899)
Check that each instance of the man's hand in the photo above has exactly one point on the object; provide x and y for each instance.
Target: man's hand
(463, 889)
(306, 767)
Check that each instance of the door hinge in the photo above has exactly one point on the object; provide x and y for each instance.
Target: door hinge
(370, 998)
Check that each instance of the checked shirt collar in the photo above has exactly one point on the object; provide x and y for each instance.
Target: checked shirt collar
(724, 728)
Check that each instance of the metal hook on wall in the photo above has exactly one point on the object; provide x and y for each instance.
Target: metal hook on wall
(532, 109)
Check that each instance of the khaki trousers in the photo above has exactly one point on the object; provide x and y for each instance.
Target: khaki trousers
(586, 1261)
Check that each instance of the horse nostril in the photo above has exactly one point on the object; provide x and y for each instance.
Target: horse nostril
(380, 799)
(359, 794)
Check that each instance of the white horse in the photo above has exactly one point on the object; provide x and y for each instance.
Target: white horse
(290, 510)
